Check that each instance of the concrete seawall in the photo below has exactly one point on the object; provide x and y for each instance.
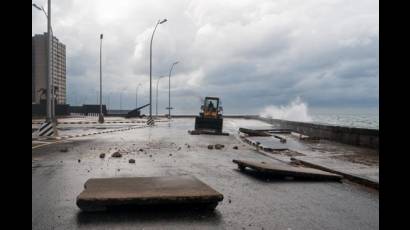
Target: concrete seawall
(348, 135)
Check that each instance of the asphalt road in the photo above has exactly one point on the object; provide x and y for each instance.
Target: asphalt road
(249, 202)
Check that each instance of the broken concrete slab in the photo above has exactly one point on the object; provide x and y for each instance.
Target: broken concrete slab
(285, 170)
(104, 193)
(255, 133)
(358, 173)
(198, 132)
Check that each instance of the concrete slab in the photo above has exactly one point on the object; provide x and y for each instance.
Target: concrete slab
(102, 193)
(367, 175)
(281, 169)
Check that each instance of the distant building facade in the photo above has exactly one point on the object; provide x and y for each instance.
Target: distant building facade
(39, 69)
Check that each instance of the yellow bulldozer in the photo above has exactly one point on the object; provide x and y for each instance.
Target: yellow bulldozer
(210, 118)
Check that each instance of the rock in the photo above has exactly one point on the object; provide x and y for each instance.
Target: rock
(170, 154)
(131, 161)
(64, 150)
(102, 155)
(140, 150)
(210, 147)
(219, 146)
(235, 147)
(79, 160)
(116, 154)
(229, 201)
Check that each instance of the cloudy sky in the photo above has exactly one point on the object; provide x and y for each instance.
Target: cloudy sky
(251, 53)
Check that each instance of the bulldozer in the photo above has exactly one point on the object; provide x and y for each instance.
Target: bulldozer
(210, 120)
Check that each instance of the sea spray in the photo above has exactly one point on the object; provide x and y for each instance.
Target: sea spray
(296, 110)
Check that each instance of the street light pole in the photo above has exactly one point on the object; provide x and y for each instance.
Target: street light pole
(101, 117)
(136, 95)
(150, 68)
(169, 90)
(156, 104)
(50, 118)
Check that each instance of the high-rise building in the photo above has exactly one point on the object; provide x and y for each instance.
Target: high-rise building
(39, 69)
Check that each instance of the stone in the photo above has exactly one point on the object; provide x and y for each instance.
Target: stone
(210, 147)
(235, 147)
(219, 146)
(116, 154)
(131, 161)
(102, 155)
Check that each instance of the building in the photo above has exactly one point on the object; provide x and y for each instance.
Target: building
(39, 69)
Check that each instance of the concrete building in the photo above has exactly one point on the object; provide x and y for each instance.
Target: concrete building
(39, 69)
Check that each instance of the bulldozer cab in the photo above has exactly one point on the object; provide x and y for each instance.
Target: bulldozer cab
(211, 107)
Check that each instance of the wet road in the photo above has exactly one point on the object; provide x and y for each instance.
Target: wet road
(249, 202)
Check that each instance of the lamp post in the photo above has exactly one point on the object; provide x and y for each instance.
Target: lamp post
(156, 104)
(150, 67)
(136, 95)
(101, 116)
(50, 98)
(169, 89)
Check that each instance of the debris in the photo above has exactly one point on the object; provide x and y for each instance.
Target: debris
(150, 155)
(140, 150)
(229, 201)
(170, 154)
(210, 147)
(102, 155)
(118, 170)
(116, 154)
(286, 170)
(131, 161)
(219, 146)
(64, 150)
(179, 148)
(102, 193)
(79, 160)
(235, 147)
(254, 132)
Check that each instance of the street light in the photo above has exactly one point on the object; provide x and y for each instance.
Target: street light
(156, 104)
(150, 68)
(50, 108)
(101, 117)
(136, 95)
(169, 89)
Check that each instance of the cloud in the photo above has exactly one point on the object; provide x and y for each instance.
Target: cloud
(250, 53)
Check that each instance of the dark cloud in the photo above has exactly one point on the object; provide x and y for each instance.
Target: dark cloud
(250, 53)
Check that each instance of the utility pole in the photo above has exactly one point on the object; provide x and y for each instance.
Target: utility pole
(101, 117)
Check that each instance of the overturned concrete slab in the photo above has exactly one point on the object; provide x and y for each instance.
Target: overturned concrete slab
(285, 170)
(104, 193)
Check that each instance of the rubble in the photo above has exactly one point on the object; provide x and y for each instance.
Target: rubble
(102, 155)
(219, 146)
(235, 147)
(116, 154)
(131, 161)
(210, 147)
(64, 150)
